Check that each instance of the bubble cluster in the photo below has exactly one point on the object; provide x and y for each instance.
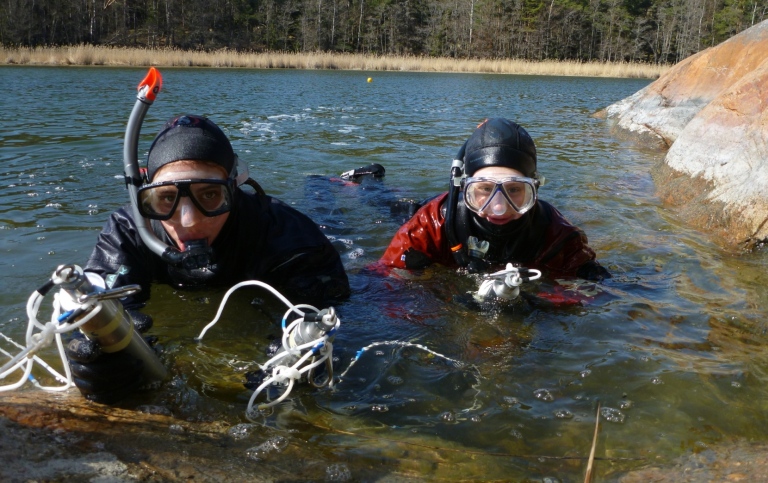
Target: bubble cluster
(448, 417)
(543, 395)
(395, 380)
(242, 431)
(346, 242)
(338, 472)
(612, 415)
(510, 400)
(563, 414)
(272, 445)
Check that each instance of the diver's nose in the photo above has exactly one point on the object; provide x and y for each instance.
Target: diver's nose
(189, 212)
(499, 204)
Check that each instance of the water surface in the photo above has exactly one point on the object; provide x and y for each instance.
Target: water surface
(672, 347)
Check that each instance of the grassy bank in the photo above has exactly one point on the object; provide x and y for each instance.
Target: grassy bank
(121, 56)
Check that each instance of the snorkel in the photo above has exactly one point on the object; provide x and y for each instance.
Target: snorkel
(457, 171)
(148, 90)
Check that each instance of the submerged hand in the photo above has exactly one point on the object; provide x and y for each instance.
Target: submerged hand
(102, 377)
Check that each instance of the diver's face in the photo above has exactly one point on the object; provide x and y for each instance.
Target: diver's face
(187, 222)
(499, 212)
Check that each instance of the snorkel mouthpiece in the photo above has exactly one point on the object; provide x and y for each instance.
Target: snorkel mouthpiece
(196, 255)
(196, 266)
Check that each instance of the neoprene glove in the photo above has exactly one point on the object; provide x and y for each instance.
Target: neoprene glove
(102, 377)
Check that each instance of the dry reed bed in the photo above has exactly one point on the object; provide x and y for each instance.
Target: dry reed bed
(122, 56)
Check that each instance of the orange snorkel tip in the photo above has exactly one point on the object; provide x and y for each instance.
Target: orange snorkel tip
(150, 87)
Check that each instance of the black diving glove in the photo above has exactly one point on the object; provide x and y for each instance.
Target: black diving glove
(254, 379)
(106, 378)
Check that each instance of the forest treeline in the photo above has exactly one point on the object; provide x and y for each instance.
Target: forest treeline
(652, 31)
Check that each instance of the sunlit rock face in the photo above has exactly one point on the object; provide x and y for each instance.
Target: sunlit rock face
(710, 109)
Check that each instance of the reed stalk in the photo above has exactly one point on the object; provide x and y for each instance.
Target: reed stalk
(89, 55)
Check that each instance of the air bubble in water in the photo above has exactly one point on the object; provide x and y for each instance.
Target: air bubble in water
(448, 417)
(563, 414)
(544, 395)
(379, 408)
(241, 431)
(356, 253)
(272, 445)
(657, 381)
(510, 400)
(395, 380)
(338, 472)
(347, 242)
(626, 404)
(612, 415)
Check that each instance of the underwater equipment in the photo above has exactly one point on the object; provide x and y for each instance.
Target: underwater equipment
(307, 343)
(148, 89)
(213, 197)
(82, 303)
(487, 195)
(457, 172)
(505, 284)
(194, 261)
(374, 170)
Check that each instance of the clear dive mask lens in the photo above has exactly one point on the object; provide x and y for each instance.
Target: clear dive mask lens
(493, 196)
(213, 197)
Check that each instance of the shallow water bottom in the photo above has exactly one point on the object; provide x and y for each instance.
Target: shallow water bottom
(48, 437)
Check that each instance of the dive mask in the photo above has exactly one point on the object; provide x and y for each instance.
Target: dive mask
(213, 197)
(491, 196)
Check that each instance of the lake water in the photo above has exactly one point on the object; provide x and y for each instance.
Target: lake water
(673, 347)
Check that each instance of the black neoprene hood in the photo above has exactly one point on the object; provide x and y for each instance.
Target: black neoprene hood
(190, 137)
(500, 142)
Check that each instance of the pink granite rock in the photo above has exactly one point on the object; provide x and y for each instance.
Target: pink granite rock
(710, 109)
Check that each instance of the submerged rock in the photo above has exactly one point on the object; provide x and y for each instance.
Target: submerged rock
(710, 110)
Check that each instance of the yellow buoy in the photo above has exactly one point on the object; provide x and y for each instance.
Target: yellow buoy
(370, 79)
